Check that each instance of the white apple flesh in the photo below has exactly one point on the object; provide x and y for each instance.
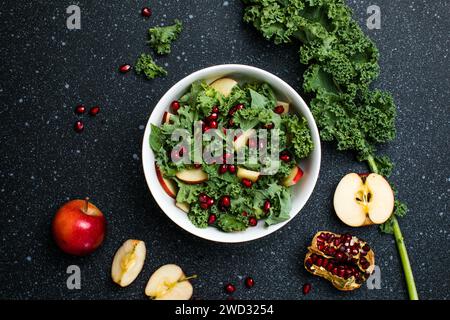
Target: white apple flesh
(169, 283)
(167, 184)
(166, 117)
(224, 85)
(360, 202)
(192, 176)
(241, 141)
(294, 177)
(184, 206)
(251, 175)
(128, 262)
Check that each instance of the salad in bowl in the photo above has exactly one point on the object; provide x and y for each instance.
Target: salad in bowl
(232, 153)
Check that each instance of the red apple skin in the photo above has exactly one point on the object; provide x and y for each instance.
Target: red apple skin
(298, 176)
(76, 232)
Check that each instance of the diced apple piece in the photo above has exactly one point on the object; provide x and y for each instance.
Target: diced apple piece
(169, 283)
(241, 140)
(294, 176)
(167, 184)
(166, 117)
(128, 262)
(224, 85)
(183, 206)
(363, 200)
(285, 106)
(192, 176)
(247, 174)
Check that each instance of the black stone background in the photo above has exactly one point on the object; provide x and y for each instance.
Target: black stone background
(47, 69)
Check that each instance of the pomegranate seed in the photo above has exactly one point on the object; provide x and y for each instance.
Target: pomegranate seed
(339, 256)
(210, 202)
(366, 247)
(79, 126)
(337, 241)
(266, 206)
(269, 126)
(202, 197)
(175, 106)
(225, 201)
(314, 257)
(341, 273)
(363, 253)
(249, 282)
(125, 68)
(244, 213)
(94, 111)
(204, 205)
(324, 262)
(229, 288)
(309, 262)
(215, 109)
(146, 12)
(355, 252)
(212, 117)
(80, 109)
(335, 271)
(329, 267)
(319, 262)
(197, 165)
(213, 124)
(227, 156)
(306, 288)
(223, 168)
(278, 109)
(206, 128)
(231, 168)
(320, 247)
(247, 183)
(285, 158)
(212, 218)
(239, 106)
(230, 122)
(252, 221)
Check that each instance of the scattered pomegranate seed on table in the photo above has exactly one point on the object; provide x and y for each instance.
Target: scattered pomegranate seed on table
(125, 68)
(249, 282)
(79, 126)
(306, 288)
(229, 288)
(94, 111)
(80, 109)
(146, 12)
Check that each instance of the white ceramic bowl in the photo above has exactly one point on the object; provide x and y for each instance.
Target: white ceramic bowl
(302, 190)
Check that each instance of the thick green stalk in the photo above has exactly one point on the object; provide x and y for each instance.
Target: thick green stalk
(410, 283)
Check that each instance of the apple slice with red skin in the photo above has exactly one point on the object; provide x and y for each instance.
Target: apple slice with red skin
(166, 117)
(294, 176)
(251, 175)
(184, 206)
(167, 184)
(242, 139)
(285, 106)
(361, 200)
(224, 85)
(192, 176)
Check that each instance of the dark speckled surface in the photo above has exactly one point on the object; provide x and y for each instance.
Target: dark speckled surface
(46, 70)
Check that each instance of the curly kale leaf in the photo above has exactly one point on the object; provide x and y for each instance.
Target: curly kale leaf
(146, 65)
(298, 135)
(162, 37)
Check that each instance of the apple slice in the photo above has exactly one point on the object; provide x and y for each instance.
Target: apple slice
(169, 283)
(167, 184)
(128, 262)
(192, 176)
(285, 106)
(183, 206)
(224, 85)
(166, 117)
(241, 140)
(294, 176)
(360, 201)
(247, 174)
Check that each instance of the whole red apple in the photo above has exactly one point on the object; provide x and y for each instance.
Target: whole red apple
(79, 227)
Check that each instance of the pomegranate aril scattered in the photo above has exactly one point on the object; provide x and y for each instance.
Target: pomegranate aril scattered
(210, 202)
(269, 126)
(213, 124)
(224, 202)
(247, 183)
(202, 197)
(80, 109)
(125, 68)
(319, 262)
(366, 247)
(212, 218)
(197, 165)
(232, 168)
(215, 109)
(146, 12)
(266, 207)
(230, 122)
(278, 109)
(94, 111)
(175, 105)
(79, 126)
(249, 282)
(212, 117)
(306, 288)
(229, 288)
(204, 205)
(252, 221)
(223, 168)
(285, 158)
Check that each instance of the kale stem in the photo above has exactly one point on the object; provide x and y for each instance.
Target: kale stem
(411, 285)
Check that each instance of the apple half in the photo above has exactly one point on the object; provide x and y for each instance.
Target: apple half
(224, 85)
(251, 175)
(241, 140)
(128, 262)
(363, 200)
(169, 283)
(293, 177)
(285, 106)
(167, 184)
(192, 176)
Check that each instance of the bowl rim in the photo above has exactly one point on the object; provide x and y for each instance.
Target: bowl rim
(148, 155)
